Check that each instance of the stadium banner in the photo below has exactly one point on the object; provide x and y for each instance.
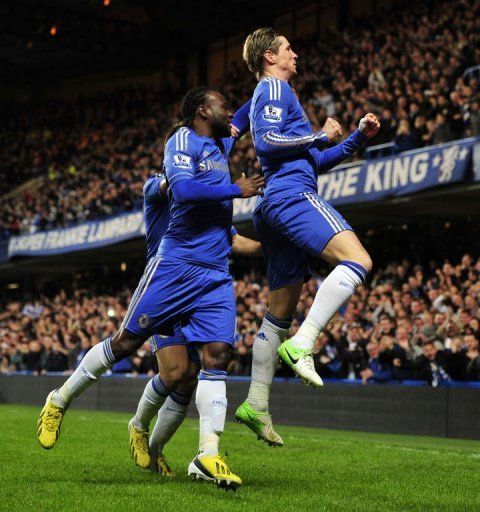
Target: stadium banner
(383, 178)
(407, 173)
(374, 180)
(88, 235)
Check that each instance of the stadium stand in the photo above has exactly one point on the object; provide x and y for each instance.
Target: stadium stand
(87, 158)
(415, 319)
(90, 155)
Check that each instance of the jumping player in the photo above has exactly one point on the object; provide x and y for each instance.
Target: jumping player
(294, 223)
(186, 288)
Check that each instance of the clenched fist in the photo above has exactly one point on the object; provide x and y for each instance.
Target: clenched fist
(369, 125)
(332, 129)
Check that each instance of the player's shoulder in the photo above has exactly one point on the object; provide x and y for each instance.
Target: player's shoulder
(151, 187)
(274, 89)
(152, 179)
(183, 140)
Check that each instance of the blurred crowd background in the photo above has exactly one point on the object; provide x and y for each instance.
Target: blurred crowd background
(415, 318)
(418, 315)
(91, 155)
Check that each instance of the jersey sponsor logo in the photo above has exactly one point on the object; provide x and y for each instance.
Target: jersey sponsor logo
(272, 114)
(214, 165)
(182, 161)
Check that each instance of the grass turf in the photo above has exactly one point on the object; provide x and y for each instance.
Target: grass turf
(318, 470)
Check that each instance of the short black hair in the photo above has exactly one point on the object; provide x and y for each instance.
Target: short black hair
(188, 109)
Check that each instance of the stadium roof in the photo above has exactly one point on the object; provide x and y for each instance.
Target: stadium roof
(47, 40)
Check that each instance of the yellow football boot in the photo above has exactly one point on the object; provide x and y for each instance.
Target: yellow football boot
(214, 469)
(139, 445)
(49, 423)
(160, 465)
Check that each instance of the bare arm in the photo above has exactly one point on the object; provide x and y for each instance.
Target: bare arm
(244, 246)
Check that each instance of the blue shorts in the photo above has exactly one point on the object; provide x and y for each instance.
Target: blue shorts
(291, 231)
(170, 293)
(159, 341)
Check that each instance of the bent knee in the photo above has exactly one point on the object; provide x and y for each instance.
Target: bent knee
(359, 256)
(365, 260)
(124, 344)
(176, 374)
(217, 360)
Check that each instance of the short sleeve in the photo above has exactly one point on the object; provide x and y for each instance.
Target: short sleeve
(272, 105)
(179, 161)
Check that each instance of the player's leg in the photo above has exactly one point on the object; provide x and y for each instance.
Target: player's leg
(173, 363)
(211, 401)
(156, 392)
(352, 264)
(319, 229)
(96, 362)
(211, 397)
(152, 294)
(213, 319)
(170, 417)
(286, 271)
(165, 392)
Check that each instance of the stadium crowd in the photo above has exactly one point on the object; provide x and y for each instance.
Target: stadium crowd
(408, 322)
(91, 155)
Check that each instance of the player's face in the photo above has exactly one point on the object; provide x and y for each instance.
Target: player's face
(220, 115)
(286, 57)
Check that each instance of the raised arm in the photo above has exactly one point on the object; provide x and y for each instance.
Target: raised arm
(329, 158)
(241, 120)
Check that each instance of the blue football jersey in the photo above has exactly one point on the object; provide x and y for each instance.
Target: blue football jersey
(283, 139)
(156, 213)
(198, 232)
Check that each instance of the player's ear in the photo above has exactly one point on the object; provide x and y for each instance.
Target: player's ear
(269, 56)
(202, 111)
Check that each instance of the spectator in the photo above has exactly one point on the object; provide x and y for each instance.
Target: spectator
(89, 156)
(443, 132)
(473, 366)
(404, 139)
(432, 366)
(376, 370)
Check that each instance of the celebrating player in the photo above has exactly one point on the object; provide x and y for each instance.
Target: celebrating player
(178, 362)
(186, 288)
(294, 223)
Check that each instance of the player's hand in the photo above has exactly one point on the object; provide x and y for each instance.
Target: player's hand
(251, 186)
(369, 125)
(234, 131)
(332, 129)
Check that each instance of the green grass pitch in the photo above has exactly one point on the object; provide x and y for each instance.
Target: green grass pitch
(317, 470)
